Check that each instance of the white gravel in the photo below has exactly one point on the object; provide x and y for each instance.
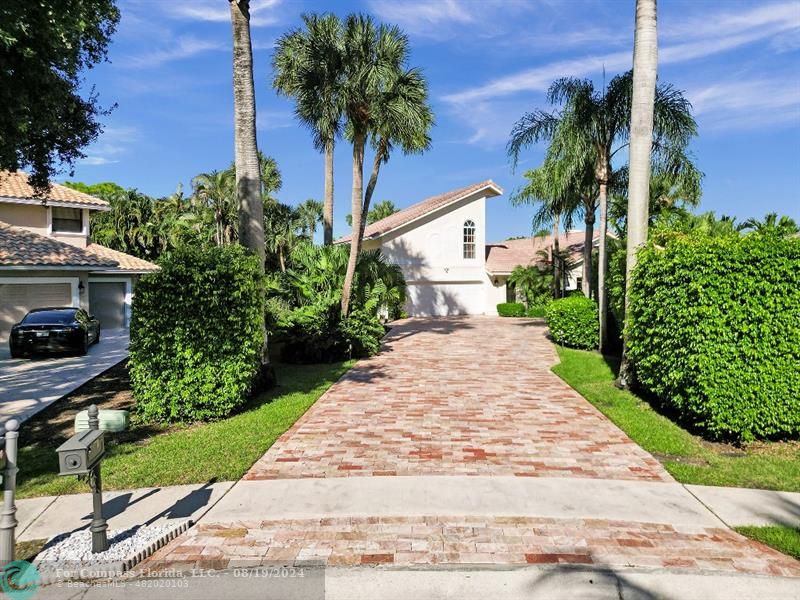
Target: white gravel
(70, 556)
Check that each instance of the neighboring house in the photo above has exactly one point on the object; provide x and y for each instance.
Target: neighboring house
(47, 258)
(440, 244)
(502, 257)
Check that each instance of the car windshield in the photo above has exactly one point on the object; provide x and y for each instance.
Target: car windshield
(59, 316)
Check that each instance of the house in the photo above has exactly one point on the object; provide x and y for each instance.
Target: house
(47, 258)
(503, 257)
(440, 244)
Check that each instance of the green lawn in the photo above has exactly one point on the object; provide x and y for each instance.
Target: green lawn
(783, 539)
(223, 450)
(687, 457)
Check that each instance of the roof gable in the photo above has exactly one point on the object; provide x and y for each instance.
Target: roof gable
(15, 187)
(425, 207)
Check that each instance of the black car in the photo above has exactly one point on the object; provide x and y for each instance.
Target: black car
(54, 330)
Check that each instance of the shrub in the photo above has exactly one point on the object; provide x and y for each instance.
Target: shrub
(536, 311)
(573, 322)
(196, 334)
(511, 309)
(714, 332)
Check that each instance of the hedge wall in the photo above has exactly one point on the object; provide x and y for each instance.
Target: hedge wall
(196, 334)
(714, 332)
(511, 309)
(573, 321)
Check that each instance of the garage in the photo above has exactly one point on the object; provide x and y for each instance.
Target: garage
(16, 299)
(426, 299)
(107, 303)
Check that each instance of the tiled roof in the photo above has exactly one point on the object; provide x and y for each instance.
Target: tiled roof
(22, 248)
(15, 185)
(125, 262)
(400, 218)
(502, 257)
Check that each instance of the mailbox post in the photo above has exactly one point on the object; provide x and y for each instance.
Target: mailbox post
(81, 455)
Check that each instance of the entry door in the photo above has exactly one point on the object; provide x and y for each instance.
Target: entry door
(107, 303)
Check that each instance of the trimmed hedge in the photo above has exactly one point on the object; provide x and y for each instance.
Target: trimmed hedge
(573, 322)
(196, 334)
(714, 332)
(536, 311)
(511, 309)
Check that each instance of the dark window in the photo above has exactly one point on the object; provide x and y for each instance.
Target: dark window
(469, 239)
(60, 316)
(67, 220)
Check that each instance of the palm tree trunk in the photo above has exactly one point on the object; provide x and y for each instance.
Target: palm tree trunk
(373, 181)
(327, 213)
(588, 239)
(602, 295)
(555, 257)
(248, 173)
(359, 140)
(645, 66)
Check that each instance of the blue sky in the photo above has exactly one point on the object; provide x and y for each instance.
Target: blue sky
(487, 62)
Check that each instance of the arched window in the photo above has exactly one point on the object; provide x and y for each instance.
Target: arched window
(469, 238)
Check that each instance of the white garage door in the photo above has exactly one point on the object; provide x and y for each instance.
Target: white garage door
(442, 299)
(107, 303)
(16, 299)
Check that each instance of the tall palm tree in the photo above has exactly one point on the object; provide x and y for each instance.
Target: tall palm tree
(784, 225)
(308, 66)
(551, 189)
(309, 213)
(382, 100)
(248, 174)
(216, 192)
(590, 128)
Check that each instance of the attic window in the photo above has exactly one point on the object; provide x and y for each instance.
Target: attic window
(469, 239)
(67, 220)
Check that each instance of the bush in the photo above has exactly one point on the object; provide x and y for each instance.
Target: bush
(196, 334)
(536, 311)
(511, 309)
(573, 322)
(714, 332)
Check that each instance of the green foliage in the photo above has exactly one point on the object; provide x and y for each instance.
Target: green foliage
(45, 46)
(196, 334)
(312, 329)
(714, 332)
(381, 210)
(536, 311)
(573, 322)
(535, 284)
(511, 309)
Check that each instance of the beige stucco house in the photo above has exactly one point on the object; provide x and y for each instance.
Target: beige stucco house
(450, 269)
(48, 259)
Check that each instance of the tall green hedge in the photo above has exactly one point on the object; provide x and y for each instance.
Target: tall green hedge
(573, 322)
(196, 334)
(714, 332)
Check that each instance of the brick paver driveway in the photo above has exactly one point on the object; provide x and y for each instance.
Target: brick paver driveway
(468, 396)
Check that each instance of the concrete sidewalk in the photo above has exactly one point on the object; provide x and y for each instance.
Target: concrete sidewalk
(48, 516)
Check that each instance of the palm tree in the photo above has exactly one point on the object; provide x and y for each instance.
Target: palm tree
(248, 174)
(551, 188)
(216, 192)
(591, 128)
(783, 226)
(307, 66)
(382, 100)
(309, 213)
(532, 282)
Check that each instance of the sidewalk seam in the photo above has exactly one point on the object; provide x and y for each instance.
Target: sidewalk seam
(708, 508)
(36, 518)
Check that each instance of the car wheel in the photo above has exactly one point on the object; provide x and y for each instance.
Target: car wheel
(97, 337)
(85, 346)
(15, 353)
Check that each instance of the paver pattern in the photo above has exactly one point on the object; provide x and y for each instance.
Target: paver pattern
(405, 541)
(459, 396)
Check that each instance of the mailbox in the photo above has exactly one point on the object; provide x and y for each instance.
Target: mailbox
(81, 452)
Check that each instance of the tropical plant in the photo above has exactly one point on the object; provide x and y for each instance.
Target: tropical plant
(533, 283)
(309, 213)
(381, 210)
(308, 66)
(383, 101)
(590, 128)
(216, 191)
(573, 322)
(783, 226)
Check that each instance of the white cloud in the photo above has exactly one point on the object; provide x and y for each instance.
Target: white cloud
(274, 119)
(261, 13)
(113, 143)
(723, 33)
(178, 49)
